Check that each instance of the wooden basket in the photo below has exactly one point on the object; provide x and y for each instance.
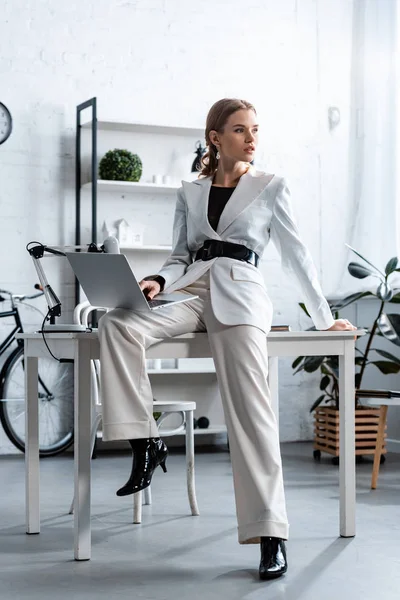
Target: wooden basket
(326, 430)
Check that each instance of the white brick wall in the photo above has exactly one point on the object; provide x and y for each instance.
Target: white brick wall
(166, 61)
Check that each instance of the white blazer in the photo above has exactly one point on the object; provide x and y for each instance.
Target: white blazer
(258, 210)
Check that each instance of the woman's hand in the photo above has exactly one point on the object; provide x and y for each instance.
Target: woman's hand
(341, 325)
(150, 288)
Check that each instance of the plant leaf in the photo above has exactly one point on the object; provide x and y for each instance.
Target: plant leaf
(385, 366)
(359, 271)
(333, 361)
(323, 384)
(389, 326)
(339, 304)
(391, 265)
(333, 366)
(387, 355)
(313, 363)
(396, 297)
(298, 370)
(303, 306)
(317, 402)
(296, 362)
(367, 261)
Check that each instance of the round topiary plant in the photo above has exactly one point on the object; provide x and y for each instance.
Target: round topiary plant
(120, 165)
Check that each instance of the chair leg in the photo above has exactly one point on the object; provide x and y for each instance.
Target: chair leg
(189, 439)
(378, 448)
(147, 496)
(138, 501)
(137, 507)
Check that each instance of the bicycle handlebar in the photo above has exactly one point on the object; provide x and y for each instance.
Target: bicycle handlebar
(22, 297)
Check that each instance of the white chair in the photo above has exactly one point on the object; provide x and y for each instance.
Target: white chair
(383, 399)
(185, 410)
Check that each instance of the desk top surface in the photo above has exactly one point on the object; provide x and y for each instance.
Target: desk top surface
(272, 335)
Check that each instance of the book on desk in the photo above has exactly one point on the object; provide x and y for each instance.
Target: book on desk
(281, 328)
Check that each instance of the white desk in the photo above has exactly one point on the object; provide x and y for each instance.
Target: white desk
(82, 347)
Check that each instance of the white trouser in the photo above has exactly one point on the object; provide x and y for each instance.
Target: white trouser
(241, 363)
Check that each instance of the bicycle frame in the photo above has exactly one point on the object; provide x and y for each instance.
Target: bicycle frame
(13, 356)
(6, 343)
(14, 312)
(17, 329)
(11, 337)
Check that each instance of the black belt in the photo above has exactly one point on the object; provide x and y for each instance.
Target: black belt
(214, 248)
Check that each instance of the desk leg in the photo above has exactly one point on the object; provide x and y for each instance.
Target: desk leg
(32, 474)
(189, 441)
(273, 383)
(347, 469)
(82, 455)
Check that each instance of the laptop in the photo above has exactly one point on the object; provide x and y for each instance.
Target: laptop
(108, 280)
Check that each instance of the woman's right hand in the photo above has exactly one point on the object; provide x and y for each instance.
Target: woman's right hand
(342, 325)
(150, 288)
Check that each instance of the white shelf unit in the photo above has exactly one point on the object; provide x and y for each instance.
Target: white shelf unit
(146, 128)
(140, 187)
(113, 125)
(169, 191)
(131, 187)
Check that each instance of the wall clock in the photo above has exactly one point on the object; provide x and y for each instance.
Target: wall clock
(5, 123)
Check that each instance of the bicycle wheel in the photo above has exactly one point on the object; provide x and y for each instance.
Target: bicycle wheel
(56, 403)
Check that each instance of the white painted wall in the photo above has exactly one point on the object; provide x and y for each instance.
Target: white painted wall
(166, 62)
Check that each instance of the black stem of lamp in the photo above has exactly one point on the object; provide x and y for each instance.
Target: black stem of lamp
(53, 303)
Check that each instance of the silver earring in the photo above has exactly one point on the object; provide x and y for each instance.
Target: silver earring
(218, 156)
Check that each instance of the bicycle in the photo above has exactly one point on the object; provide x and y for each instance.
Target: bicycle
(55, 385)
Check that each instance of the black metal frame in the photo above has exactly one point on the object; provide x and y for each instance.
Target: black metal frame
(78, 177)
(18, 328)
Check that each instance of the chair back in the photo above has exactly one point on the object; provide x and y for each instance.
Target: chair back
(81, 315)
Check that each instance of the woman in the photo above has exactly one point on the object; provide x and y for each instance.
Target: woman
(223, 222)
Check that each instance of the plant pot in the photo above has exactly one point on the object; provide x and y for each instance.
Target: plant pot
(326, 430)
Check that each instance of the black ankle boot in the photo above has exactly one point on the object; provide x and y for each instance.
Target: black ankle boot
(147, 455)
(273, 558)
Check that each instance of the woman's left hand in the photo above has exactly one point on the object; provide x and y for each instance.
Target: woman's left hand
(341, 325)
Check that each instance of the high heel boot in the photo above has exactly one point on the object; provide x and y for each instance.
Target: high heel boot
(147, 455)
(273, 558)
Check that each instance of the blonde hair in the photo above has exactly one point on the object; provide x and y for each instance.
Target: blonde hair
(217, 117)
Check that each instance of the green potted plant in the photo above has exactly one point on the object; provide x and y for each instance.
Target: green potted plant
(326, 419)
(120, 165)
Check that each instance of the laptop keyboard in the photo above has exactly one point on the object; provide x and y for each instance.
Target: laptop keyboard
(154, 303)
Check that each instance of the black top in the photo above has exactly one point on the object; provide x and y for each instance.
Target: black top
(217, 200)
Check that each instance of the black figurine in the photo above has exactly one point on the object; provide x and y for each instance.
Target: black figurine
(196, 166)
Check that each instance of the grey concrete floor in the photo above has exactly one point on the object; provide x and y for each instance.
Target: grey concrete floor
(174, 555)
